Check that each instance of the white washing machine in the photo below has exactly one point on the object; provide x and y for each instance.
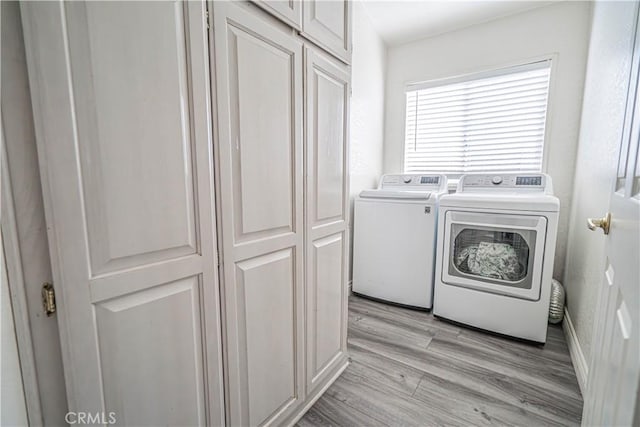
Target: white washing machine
(394, 239)
(497, 239)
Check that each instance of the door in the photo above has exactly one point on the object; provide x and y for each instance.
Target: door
(288, 11)
(259, 160)
(498, 253)
(327, 116)
(121, 109)
(328, 24)
(614, 374)
(25, 233)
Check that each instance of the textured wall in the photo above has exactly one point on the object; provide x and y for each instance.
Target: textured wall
(367, 105)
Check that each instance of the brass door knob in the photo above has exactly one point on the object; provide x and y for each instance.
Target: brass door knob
(604, 223)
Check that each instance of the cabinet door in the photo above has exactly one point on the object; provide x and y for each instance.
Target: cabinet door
(122, 114)
(289, 11)
(259, 156)
(328, 24)
(327, 118)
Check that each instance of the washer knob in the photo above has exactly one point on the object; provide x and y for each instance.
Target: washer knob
(407, 179)
(496, 179)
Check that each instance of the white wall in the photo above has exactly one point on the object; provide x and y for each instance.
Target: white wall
(367, 105)
(597, 157)
(561, 29)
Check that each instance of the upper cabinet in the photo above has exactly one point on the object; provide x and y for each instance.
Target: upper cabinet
(325, 23)
(289, 11)
(328, 24)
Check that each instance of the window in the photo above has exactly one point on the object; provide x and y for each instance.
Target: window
(488, 122)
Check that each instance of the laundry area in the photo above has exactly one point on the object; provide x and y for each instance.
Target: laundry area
(320, 213)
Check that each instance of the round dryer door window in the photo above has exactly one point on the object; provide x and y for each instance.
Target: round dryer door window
(494, 253)
(502, 255)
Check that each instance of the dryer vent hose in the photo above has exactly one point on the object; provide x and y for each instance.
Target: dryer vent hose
(556, 305)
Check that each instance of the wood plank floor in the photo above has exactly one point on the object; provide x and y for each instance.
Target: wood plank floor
(409, 368)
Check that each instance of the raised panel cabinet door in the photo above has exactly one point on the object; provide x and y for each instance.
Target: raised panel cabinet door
(327, 87)
(288, 11)
(122, 117)
(328, 24)
(259, 160)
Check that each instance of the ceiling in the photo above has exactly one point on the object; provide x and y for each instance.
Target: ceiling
(402, 21)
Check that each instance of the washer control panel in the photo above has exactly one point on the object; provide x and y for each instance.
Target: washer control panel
(534, 181)
(413, 182)
(529, 180)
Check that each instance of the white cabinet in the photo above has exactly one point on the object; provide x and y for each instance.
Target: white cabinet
(328, 24)
(288, 11)
(327, 115)
(146, 176)
(284, 235)
(259, 156)
(121, 107)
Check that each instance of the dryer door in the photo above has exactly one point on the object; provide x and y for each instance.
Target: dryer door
(493, 252)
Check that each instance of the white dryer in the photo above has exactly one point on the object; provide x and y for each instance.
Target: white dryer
(497, 239)
(394, 239)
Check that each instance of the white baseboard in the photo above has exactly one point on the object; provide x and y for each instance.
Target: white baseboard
(577, 356)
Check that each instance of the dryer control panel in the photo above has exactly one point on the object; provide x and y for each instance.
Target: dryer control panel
(508, 181)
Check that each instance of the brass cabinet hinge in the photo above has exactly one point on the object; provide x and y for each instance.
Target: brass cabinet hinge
(48, 299)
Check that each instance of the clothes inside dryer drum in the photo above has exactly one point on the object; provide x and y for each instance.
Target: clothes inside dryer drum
(490, 259)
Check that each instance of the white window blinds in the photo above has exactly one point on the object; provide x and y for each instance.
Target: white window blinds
(488, 122)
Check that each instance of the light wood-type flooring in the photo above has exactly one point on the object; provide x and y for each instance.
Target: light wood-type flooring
(409, 368)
